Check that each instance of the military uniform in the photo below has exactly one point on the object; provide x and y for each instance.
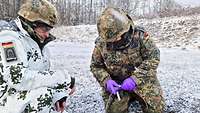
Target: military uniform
(138, 59)
(26, 81)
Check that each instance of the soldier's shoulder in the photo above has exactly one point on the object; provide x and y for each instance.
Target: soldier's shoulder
(4, 25)
(6, 35)
(9, 43)
(3, 22)
(11, 48)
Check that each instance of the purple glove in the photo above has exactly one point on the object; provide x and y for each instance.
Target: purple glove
(112, 86)
(128, 84)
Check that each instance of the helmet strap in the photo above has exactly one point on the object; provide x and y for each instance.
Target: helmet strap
(123, 43)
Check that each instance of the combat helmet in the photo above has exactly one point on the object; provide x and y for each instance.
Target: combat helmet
(39, 10)
(112, 23)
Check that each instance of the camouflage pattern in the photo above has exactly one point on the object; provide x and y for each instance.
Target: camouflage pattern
(39, 10)
(112, 23)
(27, 79)
(140, 61)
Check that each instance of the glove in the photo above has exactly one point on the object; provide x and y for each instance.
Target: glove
(128, 84)
(112, 86)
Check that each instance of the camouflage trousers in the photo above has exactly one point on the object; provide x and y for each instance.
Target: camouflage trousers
(149, 104)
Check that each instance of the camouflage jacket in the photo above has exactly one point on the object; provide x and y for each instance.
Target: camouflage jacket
(139, 60)
(26, 80)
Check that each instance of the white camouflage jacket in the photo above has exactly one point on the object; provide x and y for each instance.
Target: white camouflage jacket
(26, 81)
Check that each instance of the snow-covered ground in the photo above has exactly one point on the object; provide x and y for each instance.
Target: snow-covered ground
(75, 57)
(183, 32)
(179, 75)
(178, 71)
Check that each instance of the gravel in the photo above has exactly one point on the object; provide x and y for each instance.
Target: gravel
(178, 74)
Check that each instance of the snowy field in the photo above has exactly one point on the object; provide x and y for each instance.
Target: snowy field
(178, 73)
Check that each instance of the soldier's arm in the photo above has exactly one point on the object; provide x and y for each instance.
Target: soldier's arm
(16, 73)
(151, 58)
(98, 67)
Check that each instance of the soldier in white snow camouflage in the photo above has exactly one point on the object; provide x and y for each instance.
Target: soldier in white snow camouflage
(26, 81)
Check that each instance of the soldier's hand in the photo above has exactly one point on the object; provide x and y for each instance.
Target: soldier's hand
(72, 90)
(128, 84)
(112, 86)
(59, 101)
(57, 107)
(60, 106)
(72, 86)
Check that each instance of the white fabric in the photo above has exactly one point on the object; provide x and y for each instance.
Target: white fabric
(36, 74)
(58, 95)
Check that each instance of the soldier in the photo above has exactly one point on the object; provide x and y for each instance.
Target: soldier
(124, 62)
(27, 84)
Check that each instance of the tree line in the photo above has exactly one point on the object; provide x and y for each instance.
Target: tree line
(76, 12)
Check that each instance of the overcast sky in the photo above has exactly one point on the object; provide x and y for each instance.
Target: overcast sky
(189, 2)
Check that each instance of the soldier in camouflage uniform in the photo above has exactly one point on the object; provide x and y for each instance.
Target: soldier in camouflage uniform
(124, 62)
(27, 84)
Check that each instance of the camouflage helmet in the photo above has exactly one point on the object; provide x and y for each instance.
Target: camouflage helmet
(112, 23)
(39, 10)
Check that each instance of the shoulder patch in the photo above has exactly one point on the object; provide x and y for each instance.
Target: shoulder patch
(9, 51)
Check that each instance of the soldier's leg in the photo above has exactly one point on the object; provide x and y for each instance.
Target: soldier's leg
(137, 104)
(116, 106)
(155, 105)
(155, 100)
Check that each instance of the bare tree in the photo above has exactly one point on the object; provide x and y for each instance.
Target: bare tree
(75, 12)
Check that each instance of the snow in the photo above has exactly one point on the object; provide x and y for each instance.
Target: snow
(178, 74)
(75, 57)
(178, 71)
(187, 3)
(183, 32)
